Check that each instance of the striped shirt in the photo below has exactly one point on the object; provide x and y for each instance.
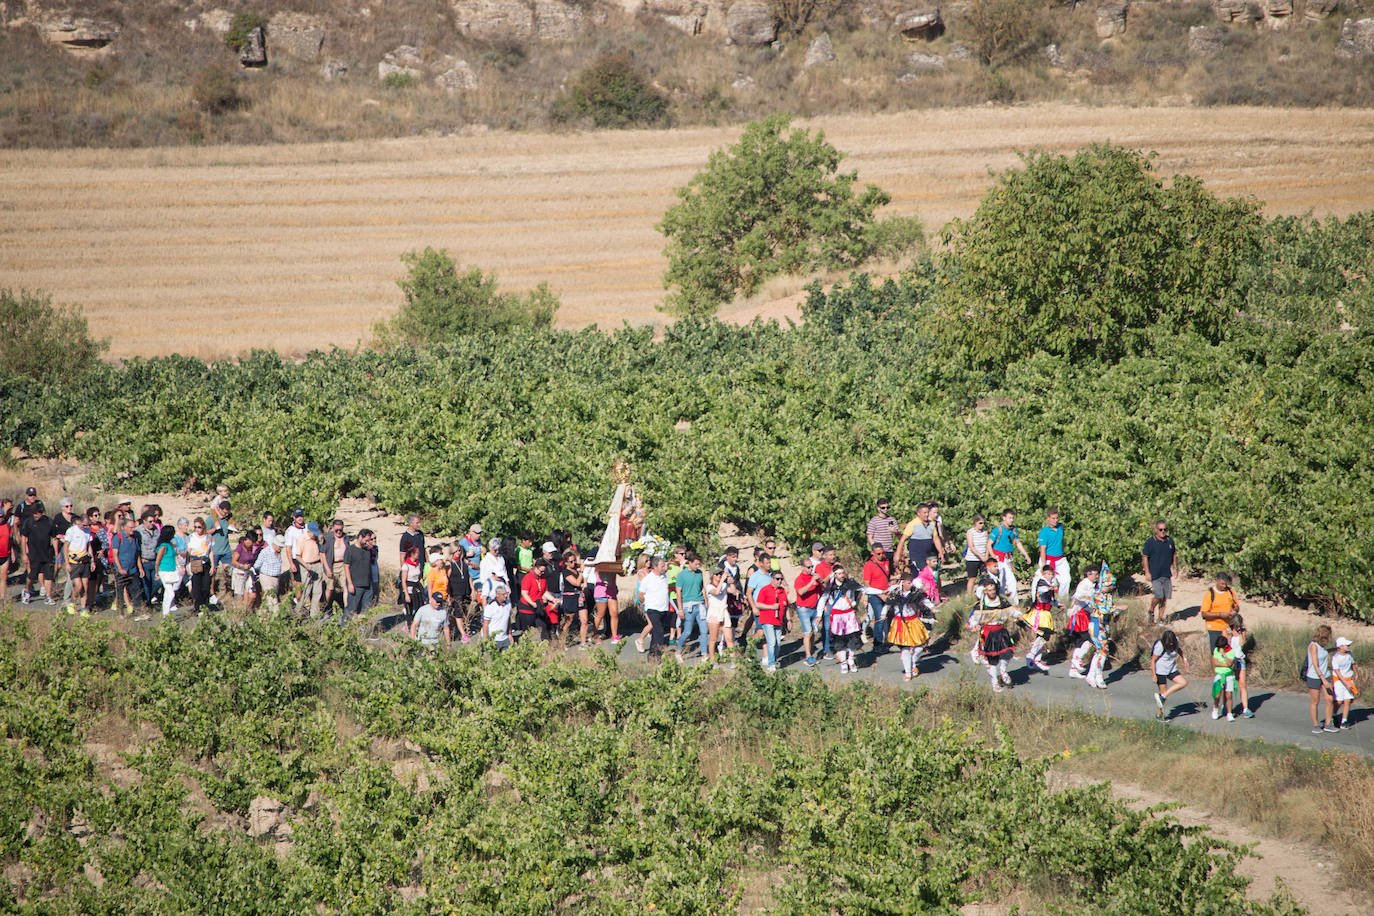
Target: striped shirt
(882, 530)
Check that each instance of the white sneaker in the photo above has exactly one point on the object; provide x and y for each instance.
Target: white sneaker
(1230, 717)
(1216, 713)
(1074, 672)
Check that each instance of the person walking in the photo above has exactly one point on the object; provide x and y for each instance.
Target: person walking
(40, 554)
(1219, 605)
(334, 553)
(1005, 539)
(877, 575)
(200, 565)
(430, 622)
(268, 566)
(771, 604)
(691, 596)
(1317, 672)
(976, 552)
(906, 629)
(1159, 560)
(883, 528)
(1235, 634)
(841, 604)
(168, 568)
(148, 534)
(1343, 686)
(1051, 541)
(807, 590)
(124, 558)
(657, 604)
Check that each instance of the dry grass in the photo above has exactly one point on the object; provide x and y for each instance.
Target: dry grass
(218, 250)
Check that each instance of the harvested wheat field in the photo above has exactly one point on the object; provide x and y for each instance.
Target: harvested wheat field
(215, 251)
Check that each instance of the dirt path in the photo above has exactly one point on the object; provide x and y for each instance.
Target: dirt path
(157, 245)
(1302, 869)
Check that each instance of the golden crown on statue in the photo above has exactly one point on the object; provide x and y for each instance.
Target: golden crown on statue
(621, 470)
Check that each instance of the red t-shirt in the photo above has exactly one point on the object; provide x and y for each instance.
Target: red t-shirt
(536, 586)
(878, 575)
(823, 571)
(804, 581)
(775, 595)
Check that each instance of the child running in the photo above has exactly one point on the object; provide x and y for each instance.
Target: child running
(1164, 659)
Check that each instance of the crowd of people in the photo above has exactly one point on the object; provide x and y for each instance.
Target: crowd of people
(503, 589)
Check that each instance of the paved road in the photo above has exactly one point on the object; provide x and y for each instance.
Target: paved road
(1280, 716)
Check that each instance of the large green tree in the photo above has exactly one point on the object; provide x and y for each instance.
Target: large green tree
(774, 203)
(1087, 255)
(42, 340)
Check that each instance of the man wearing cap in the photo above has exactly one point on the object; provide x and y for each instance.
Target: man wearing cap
(40, 551)
(293, 533)
(309, 565)
(269, 564)
(471, 546)
(882, 528)
(23, 513)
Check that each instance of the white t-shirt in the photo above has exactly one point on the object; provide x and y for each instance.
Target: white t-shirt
(1236, 643)
(78, 540)
(1166, 665)
(653, 590)
(293, 534)
(979, 539)
(492, 571)
(198, 545)
(497, 617)
(1343, 664)
(716, 600)
(431, 621)
(1083, 595)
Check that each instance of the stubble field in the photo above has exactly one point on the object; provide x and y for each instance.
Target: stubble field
(215, 251)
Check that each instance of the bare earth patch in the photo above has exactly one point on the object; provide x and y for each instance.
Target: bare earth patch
(214, 251)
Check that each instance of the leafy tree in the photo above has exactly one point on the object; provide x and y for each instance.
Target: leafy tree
(611, 92)
(442, 302)
(1002, 30)
(1085, 255)
(41, 340)
(774, 203)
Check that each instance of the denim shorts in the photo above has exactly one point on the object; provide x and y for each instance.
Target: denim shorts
(807, 618)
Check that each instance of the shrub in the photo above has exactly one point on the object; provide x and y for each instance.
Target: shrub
(795, 15)
(215, 91)
(1083, 256)
(611, 92)
(240, 27)
(442, 302)
(897, 236)
(398, 80)
(771, 204)
(43, 341)
(1002, 30)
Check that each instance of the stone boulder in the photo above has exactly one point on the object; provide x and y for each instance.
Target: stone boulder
(559, 20)
(495, 19)
(751, 24)
(1357, 39)
(296, 35)
(920, 24)
(1111, 17)
(1236, 10)
(254, 53)
(919, 61)
(456, 76)
(78, 34)
(1278, 14)
(821, 52)
(689, 16)
(268, 822)
(404, 59)
(1318, 10)
(1206, 40)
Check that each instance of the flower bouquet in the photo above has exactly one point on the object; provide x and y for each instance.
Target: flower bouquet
(648, 544)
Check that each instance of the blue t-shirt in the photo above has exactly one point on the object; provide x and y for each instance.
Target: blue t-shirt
(692, 586)
(1052, 539)
(1003, 538)
(126, 548)
(472, 552)
(757, 580)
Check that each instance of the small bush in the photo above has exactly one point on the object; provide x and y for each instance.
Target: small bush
(442, 302)
(611, 92)
(795, 15)
(398, 80)
(897, 236)
(216, 91)
(41, 340)
(1003, 30)
(240, 28)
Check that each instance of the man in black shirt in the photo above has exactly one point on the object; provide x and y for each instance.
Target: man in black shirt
(40, 550)
(357, 570)
(1160, 561)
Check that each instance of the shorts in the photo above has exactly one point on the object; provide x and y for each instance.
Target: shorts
(1163, 679)
(717, 615)
(1163, 587)
(41, 569)
(1314, 683)
(974, 568)
(807, 617)
(80, 570)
